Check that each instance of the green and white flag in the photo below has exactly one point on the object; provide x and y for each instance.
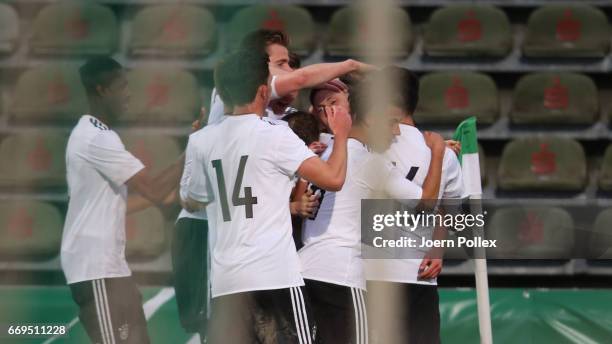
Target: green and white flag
(470, 163)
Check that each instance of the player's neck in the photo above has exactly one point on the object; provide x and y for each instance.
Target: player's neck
(98, 111)
(407, 120)
(359, 133)
(247, 109)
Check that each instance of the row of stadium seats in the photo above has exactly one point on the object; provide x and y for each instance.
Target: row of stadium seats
(527, 164)
(161, 95)
(32, 230)
(53, 93)
(37, 161)
(475, 30)
(545, 232)
(539, 98)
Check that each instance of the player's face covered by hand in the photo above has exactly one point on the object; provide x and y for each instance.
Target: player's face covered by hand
(328, 98)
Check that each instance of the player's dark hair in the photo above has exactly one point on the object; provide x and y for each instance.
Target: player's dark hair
(404, 91)
(304, 125)
(359, 101)
(259, 40)
(294, 61)
(98, 71)
(239, 75)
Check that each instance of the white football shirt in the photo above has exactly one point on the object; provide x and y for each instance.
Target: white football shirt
(332, 240)
(412, 157)
(97, 167)
(245, 166)
(184, 183)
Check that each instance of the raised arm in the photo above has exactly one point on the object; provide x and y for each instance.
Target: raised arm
(330, 174)
(314, 75)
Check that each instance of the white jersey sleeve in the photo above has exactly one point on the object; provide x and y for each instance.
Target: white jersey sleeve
(398, 187)
(217, 108)
(199, 188)
(109, 157)
(290, 152)
(384, 176)
(452, 176)
(186, 177)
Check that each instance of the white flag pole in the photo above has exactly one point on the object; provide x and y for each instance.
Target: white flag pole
(470, 165)
(482, 282)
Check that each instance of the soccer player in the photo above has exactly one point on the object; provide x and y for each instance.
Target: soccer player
(286, 81)
(190, 256)
(417, 318)
(99, 172)
(245, 167)
(331, 257)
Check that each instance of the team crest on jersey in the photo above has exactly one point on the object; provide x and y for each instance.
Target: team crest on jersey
(96, 123)
(124, 331)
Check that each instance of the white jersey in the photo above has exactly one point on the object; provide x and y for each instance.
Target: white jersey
(184, 183)
(413, 157)
(332, 241)
(97, 167)
(245, 166)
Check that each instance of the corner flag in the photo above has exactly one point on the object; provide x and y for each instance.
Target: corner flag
(468, 157)
(470, 167)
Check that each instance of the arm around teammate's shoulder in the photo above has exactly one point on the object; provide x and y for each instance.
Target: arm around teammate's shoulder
(331, 174)
(316, 74)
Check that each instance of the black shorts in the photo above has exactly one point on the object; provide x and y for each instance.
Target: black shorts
(415, 319)
(110, 309)
(190, 266)
(279, 316)
(339, 311)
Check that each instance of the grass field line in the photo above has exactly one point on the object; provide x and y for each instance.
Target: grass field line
(149, 307)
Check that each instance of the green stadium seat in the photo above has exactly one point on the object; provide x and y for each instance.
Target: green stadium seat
(29, 230)
(9, 29)
(33, 160)
(348, 33)
(50, 93)
(145, 234)
(450, 97)
(555, 98)
(155, 151)
(600, 245)
(531, 232)
(605, 176)
(74, 28)
(184, 30)
(578, 31)
(295, 21)
(160, 95)
(468, 30)
(542, 164)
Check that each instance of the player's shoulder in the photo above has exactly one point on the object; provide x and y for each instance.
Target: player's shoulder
(88, 124)
(410, 131)
(275, 128)
(92, 130)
